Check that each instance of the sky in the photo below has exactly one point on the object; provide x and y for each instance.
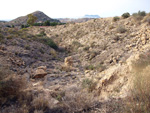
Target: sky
(11, 9)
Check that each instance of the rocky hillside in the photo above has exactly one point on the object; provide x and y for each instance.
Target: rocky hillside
(23, 19)
(79, 67)
(100, 40)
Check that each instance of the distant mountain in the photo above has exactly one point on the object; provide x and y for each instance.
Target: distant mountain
(91, 16)
(2, 21)
(78, 20)
(70, 20)
(23, 19)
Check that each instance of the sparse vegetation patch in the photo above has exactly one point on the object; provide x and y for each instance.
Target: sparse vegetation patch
(139, 16)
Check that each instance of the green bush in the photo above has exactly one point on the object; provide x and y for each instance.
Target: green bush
(90, 67)
(126, 15)
(8, 26)
(116, 18)
(46, 23)
(38, 24)
(24, 26)
(48, 41)
(54, 23)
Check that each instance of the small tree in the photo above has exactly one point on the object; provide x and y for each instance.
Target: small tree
(47, 23)
(31, 19)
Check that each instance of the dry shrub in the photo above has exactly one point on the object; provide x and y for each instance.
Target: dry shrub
(116, 18)
(146, 19)
(73, 100)
(11, 92)
(4, 72)
(121, 29)
(111, 27)
(40, 103)
(89, 84)
(139, 16)
(78, 100)
(115, 38)
(139, 99)
(53, 53)
(104, 44)
(58, 95)
(10, 86)
(14, 109)
(10, 89)
(113, 106)
(38, 111)
(86, 48)
(75, 45)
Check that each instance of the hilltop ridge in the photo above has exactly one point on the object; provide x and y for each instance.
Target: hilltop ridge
(41, 17)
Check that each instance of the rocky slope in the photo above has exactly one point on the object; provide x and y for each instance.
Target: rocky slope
(91, 69)
(100, 40)
(105, 50)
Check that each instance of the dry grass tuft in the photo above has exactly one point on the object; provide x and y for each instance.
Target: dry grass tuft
(78, 100)
(146, 19)
(121, 29)
(40, 103)
(89, 84)
(138, 101)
